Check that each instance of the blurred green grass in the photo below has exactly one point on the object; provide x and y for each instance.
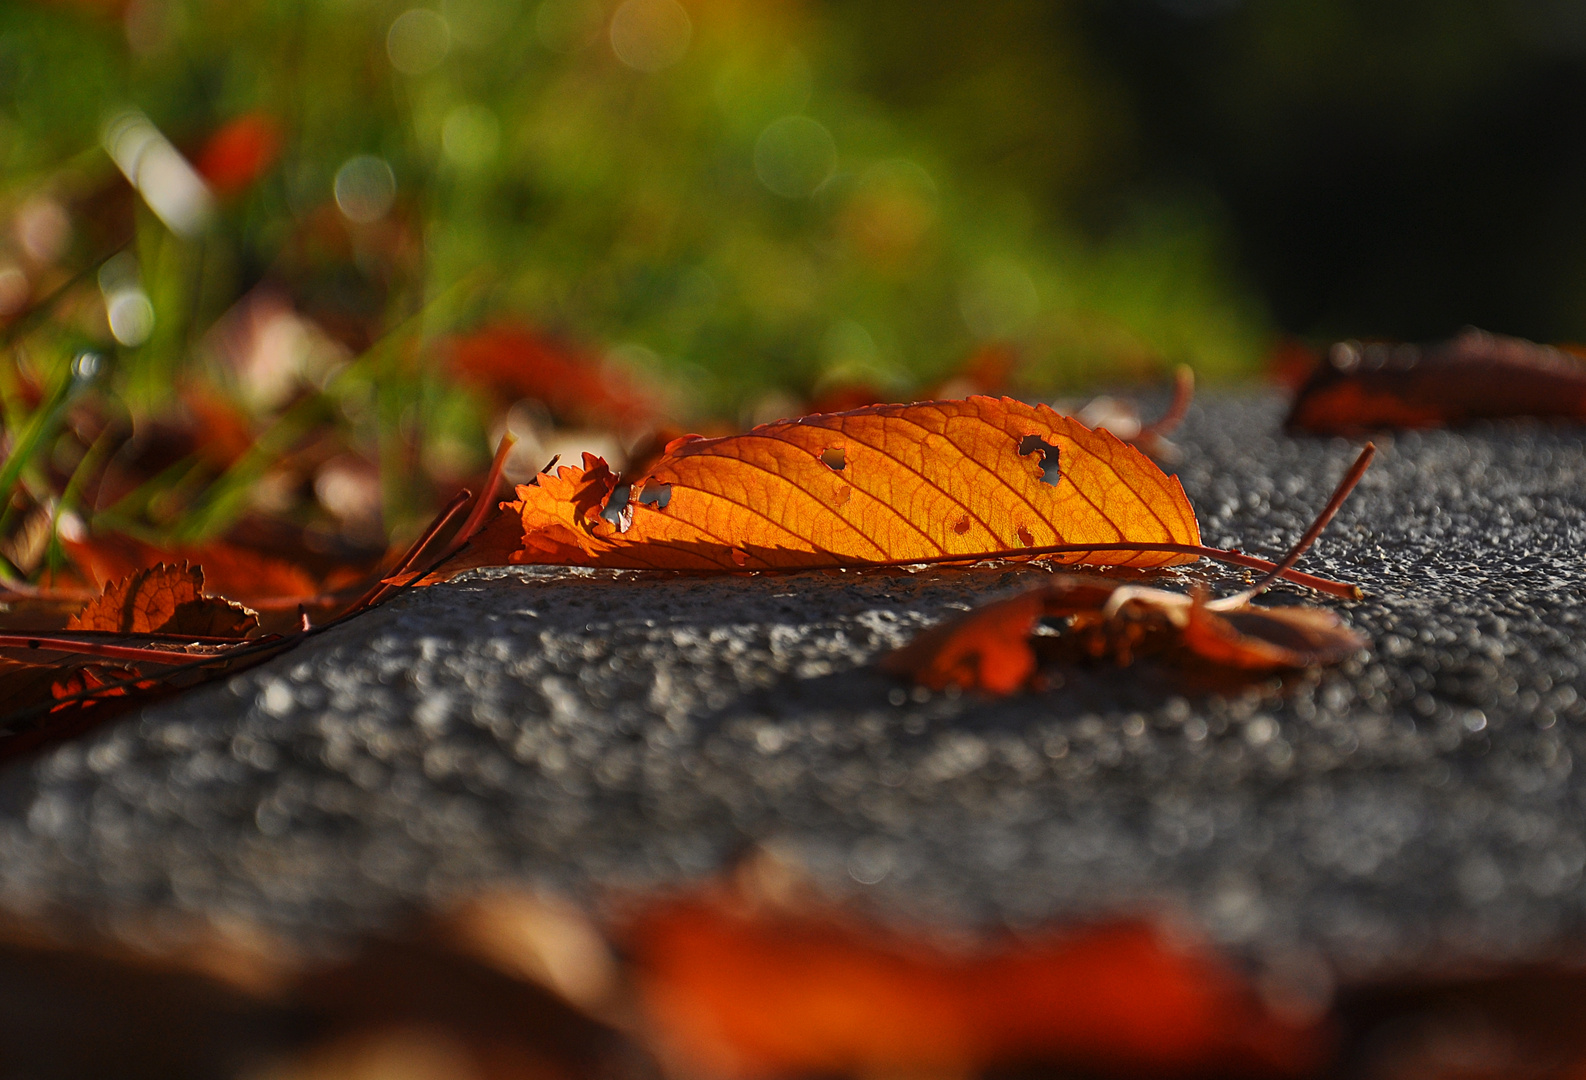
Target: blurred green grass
(702, 197)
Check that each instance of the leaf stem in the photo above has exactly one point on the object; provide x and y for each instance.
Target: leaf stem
(1236, 558)
(1183, 394)
(487, 495)
(32, 642)
(384, 586)
(1323, 519)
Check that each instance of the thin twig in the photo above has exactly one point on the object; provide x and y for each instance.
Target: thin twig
(487, 495)
(1323, 519)
(382, 587)
(79, 646)
(1183, 394)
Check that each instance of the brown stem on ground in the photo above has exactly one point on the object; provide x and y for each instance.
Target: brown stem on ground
(1323, 519)
(1183, 394)
(1236, 558)
(81, 647)
(438, 525)
(487, 495)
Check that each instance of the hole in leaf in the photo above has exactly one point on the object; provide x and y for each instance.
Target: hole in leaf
(656, 495)
(617, 510)
(961, 526)
(834, 458)
(1051, 472)
(740, 557)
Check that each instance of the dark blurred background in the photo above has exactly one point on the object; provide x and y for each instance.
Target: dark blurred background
(1375, 167)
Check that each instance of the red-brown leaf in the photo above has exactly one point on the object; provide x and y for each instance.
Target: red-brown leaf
(229, 569)
(1359, 387)
(164, 599)
(239, 152)
(990, 648)
(514, 362)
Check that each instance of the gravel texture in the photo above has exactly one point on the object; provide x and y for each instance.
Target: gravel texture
(598, 731)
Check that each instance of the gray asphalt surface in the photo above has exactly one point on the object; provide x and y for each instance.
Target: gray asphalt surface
(594, 731)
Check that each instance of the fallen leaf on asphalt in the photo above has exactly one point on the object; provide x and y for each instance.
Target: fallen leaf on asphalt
(994, 648)
(885, 485)
(882, 484)
(1476, 376)
(753, 977)
(735, 983)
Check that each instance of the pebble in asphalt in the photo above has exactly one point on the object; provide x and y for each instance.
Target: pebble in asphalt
(594, 731)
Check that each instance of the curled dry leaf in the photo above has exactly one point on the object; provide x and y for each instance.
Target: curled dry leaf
(738, 986)
(158, 619)
(884, 484)
(165, 599)
(1477, 375)
(229, 569)
(994, 648)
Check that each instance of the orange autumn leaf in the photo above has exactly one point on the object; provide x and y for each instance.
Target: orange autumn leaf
(882, 484)
(737, 991)
(164, 599)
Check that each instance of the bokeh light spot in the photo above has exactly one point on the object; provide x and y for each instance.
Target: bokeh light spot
(87, 365)
(470, 136)
(478, 24)
(998, 300)
(794, 156)
(43, 229)
(365, 188)
(890, 212)
(418, 41)
(15, 290)
(649, 35)
(169, 185)
(131, 315)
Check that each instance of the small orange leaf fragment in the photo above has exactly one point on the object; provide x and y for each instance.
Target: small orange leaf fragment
(164, 599)
(1022, 476)
(985, 649)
